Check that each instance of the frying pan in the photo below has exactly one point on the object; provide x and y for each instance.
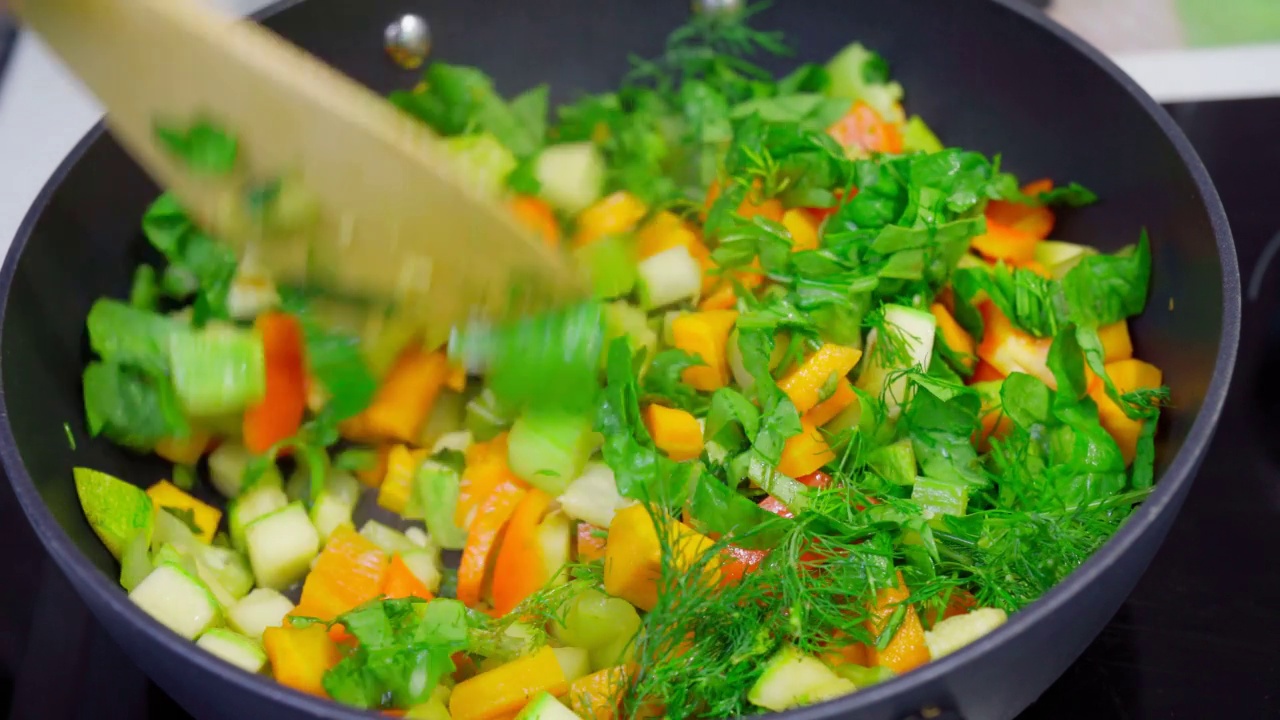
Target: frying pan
(987, 74)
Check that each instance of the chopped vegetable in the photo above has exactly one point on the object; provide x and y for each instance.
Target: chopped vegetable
(279, 415)
(508, 688)
(205, 517)
(300, 656)
(482, 538)
(115, 509)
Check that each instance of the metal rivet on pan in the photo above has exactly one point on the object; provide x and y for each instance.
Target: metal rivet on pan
(717, 6)
(408, 41)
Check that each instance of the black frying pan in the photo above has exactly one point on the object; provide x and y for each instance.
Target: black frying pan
(987, 74)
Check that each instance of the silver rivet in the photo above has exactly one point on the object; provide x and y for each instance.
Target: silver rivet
(408, 40)
(717, 7)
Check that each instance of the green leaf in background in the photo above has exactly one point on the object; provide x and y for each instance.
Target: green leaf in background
(131, 408)
(204, 147)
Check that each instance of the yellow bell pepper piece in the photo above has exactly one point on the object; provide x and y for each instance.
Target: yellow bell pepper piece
(611, 215)
(1116, 344)
(675, 432)
(705, 334)
(165, 494)
(507, 688)
(1127, 375)
(300, 656)
(803, 229)
(825, 411)
(397, 484)
(805, 383)
(957, 339)
(633, 555)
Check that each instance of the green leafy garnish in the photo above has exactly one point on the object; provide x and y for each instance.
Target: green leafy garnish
(203, 146)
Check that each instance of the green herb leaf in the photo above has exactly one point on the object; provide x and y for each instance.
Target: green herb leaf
(204, 147)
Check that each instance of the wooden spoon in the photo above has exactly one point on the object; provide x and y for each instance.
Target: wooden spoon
(395, 221)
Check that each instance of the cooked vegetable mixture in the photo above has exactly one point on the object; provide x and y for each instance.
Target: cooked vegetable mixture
(838, 405)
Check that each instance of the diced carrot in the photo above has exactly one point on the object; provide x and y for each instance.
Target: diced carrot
(590, 542)
(300, 656)
(404, 399)
(486, 469)
(675, 432)
(279, 415)
(599, 695)
(373, 476)
(957, 339)
(805, 452)
(611, 215)
(519, 570)
(402, 583)
(907, 650)
(482, 539)
(535, 214)
(1127, 376)
(862, 127)
(185, 451)
(1002, 242)
(507, 688)
(985, 372)
(705, 334)
(825, 411)
(803, 228)
(1009, 349)
(1035, 221)
(1116, 344)
(805, 383)
(350, 570)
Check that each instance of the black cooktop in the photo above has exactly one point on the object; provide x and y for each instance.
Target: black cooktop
(1199, 638)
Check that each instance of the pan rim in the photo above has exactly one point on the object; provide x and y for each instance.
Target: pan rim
(1179, 474)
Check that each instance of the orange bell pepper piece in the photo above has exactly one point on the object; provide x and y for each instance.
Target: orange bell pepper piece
(373, 476)
(1002, 242)
(279, 415)
(907, 650)
(483, 538)
(1034, 221)
(863, 127)
(1127, 376)
(535, 214)
(803, 228)
(1009, 350)
(770, 208)
(633, 555)
(350, 570)
(825, 411)
(486, 469)
(957, 339)
(599, 695)
(705, 334)
(519, 570)
(984, 372)
(590, 542)
(507, 688)
(404, 399)
(805, 383)
(1116, 344)
(675, 432)
(300, 656)
(611, 215)
(402, 583)
(805, 452)
(667, 230)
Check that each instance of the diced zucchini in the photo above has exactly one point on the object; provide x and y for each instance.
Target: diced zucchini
(336, 503)
(571, 176)
(218, 369)
(258, 501)
(115, 509)
(573, 661)
(912, 333)
(387, 538)
(953, 633)
(549, 449)
(941, 497)
(226, 470)
(422, 562)
(226, 566)
(864, 676)
(792, 678)
(135, 560)
(257, 611)
(281, 546)
(544, 706)
(234, 648)
(669, 277)
(593, 497)
(623, 319)
(178, 600)
(419, 537)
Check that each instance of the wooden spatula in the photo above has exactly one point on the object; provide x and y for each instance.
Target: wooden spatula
(396, 221)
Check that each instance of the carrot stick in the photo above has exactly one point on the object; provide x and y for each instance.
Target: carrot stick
(483, 538)
(519, 570)
(279, 415)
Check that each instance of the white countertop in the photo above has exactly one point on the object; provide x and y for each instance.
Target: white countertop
(44, 111)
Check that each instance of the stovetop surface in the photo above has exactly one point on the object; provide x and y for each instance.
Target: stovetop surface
(1199, 637)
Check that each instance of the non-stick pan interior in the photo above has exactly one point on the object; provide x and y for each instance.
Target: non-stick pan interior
(983, 76)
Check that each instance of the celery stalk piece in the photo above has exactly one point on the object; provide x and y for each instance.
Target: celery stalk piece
(549, 449)
(218, 369)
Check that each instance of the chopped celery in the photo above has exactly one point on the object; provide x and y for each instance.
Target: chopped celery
(622, 319)
(227, 465)
(593, 497)
(446, 417)
(218, 369)
(178, 600)
(895, 462)
(135, 560)
(387, 537)
(669, 277)
(336, 503)
(422, 562)
(144, 293)
(438, 487)
(549, 449)
(485, 417)
(124, 334)
(941, 497)
(609, 265)
(574, 662)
